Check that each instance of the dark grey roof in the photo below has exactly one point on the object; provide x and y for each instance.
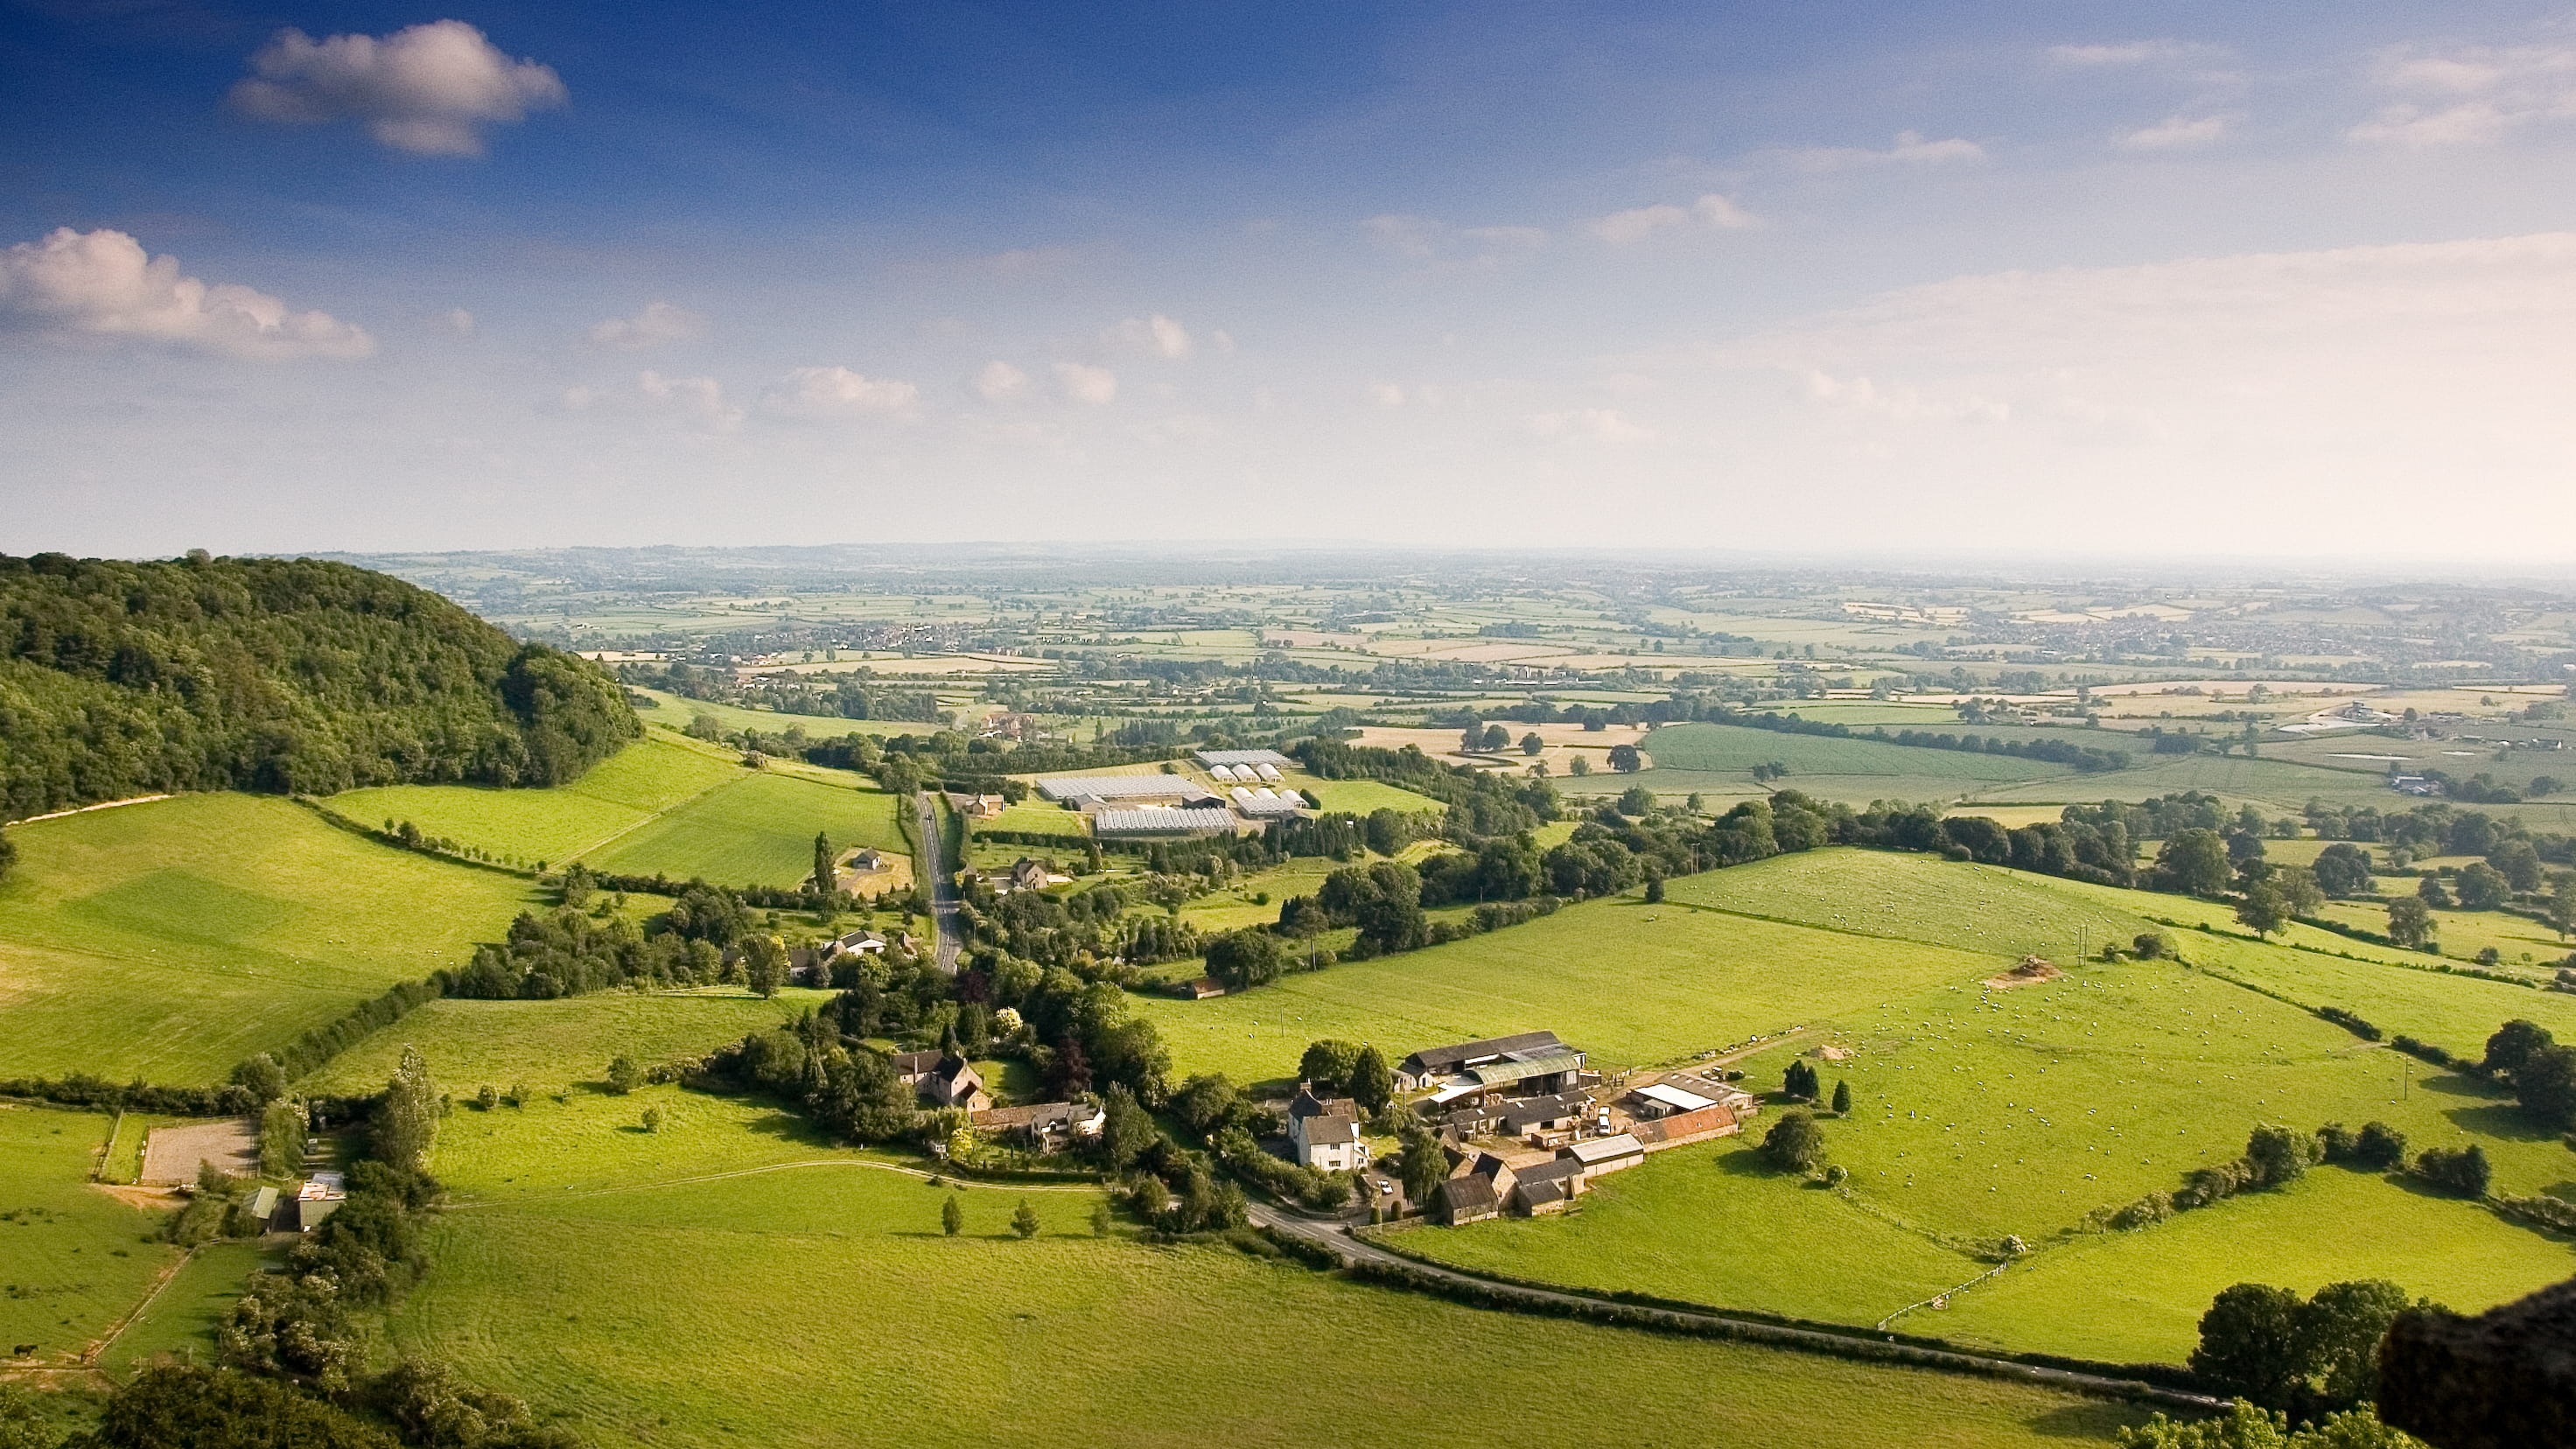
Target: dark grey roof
(1458, 1193)
(1555, 1169)
(1444, 1058)
(913, 1064)
(1538, 1192)
(1522, 1115)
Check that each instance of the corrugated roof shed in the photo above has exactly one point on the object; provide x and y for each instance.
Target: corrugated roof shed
(1161, 822)
(1240, 757)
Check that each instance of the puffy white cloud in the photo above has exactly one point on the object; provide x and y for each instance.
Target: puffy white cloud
(1386, 394)
(834, 394)
(2175, 133)
(998, 381)
(1711, 211)
(1599, 425)
(658, 323)
(1155, 336)
(459, 321)
(2470, 96)
(101, 283)
(696, 399)
(1083, 384)
(1910, 148)
(429, 89)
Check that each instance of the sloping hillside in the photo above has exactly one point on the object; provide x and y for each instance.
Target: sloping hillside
(121, 679)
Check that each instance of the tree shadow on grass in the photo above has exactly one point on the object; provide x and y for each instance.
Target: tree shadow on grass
(2453, 1084)
(2499, 1119)
(2093, 1420)
(1748, 1162)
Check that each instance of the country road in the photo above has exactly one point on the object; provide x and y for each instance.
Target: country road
(936, 871)
(1334, 1235)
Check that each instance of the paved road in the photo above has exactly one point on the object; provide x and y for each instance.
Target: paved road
(943, 890)
(1334, 1235)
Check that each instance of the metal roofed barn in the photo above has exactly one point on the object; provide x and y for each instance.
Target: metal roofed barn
(1214, 758)
(1121, 787)
(1166, 821)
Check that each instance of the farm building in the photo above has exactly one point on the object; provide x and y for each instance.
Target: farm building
(1557, 1113)
(1224, 773)
(1325, 1134)
(1044, 1127)
(977, 807)
(1266, 803)
(318, 1198)
(1087, 791)
(1028, 873)
(1462, 1200)
(1210, 759)
(1684, 1128)
(1168, 820)
(1546, 1187)
(954, 1083)
(1432, 1066)
(1604, 1154)
(867, 861)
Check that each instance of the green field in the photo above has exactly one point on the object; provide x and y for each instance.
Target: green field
(2139, 1296)
(640, 782)
(170, 940)
(1359, 797)
(1718, 747)
(73, 1260)
(1709, 1224)
(181, 1319)
(1630, 983)
(567, 1298)
(555, 1045)
(1980, 1113)
(2279, 785)
(676, 713)
(757, 830)
(662, 806)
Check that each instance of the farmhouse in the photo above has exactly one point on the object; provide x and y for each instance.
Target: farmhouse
(977, 806)
(1028, 873)
(953, 1083)
(911, 1067)
(868, 861)
(1433, 1066)
(1326, 1134)
(863, 943)
(1045, 1127)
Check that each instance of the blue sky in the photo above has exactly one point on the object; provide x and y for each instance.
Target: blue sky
(1913, 279)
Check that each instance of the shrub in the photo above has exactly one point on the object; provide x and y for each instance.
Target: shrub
(2464, 1171)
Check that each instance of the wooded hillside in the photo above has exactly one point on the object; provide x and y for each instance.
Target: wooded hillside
(121, 679)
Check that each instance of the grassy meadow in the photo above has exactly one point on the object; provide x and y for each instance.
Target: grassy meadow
(757, 830)
(556, 1045)
(180, 1321)
(1980, 1112)
(170, 940)
(676, 713)
(663, 805)
(1630, 983)
(565, 1297)
(73, 1260)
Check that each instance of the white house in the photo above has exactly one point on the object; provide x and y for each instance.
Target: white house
(1326, 1135)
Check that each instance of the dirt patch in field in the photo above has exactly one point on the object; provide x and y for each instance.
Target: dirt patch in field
(173, 1155)
(2030, 972)
(147, 1199)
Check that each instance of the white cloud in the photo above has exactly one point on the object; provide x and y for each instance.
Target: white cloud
(697, 399)
(1910, 148)
(1902, 404)
(658, 323)
(1419, 238)
(459, 321)
(1386, 394)
(2471, 96)
(2175, 133)
(1155, 336)
(998, 381)
(1094, 385)
(428, 89)
(101, 283)
(834, 394)
(1713, 211)
(1599, 425)
(2127, 52)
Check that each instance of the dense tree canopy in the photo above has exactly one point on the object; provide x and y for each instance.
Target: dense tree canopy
(121, 679)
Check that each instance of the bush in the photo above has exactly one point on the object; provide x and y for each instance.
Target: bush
(2464, 1172)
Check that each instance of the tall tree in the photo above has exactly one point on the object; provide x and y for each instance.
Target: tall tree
(407, 1122)
(1370, 1083)
(2410, 921)
(824, 876)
